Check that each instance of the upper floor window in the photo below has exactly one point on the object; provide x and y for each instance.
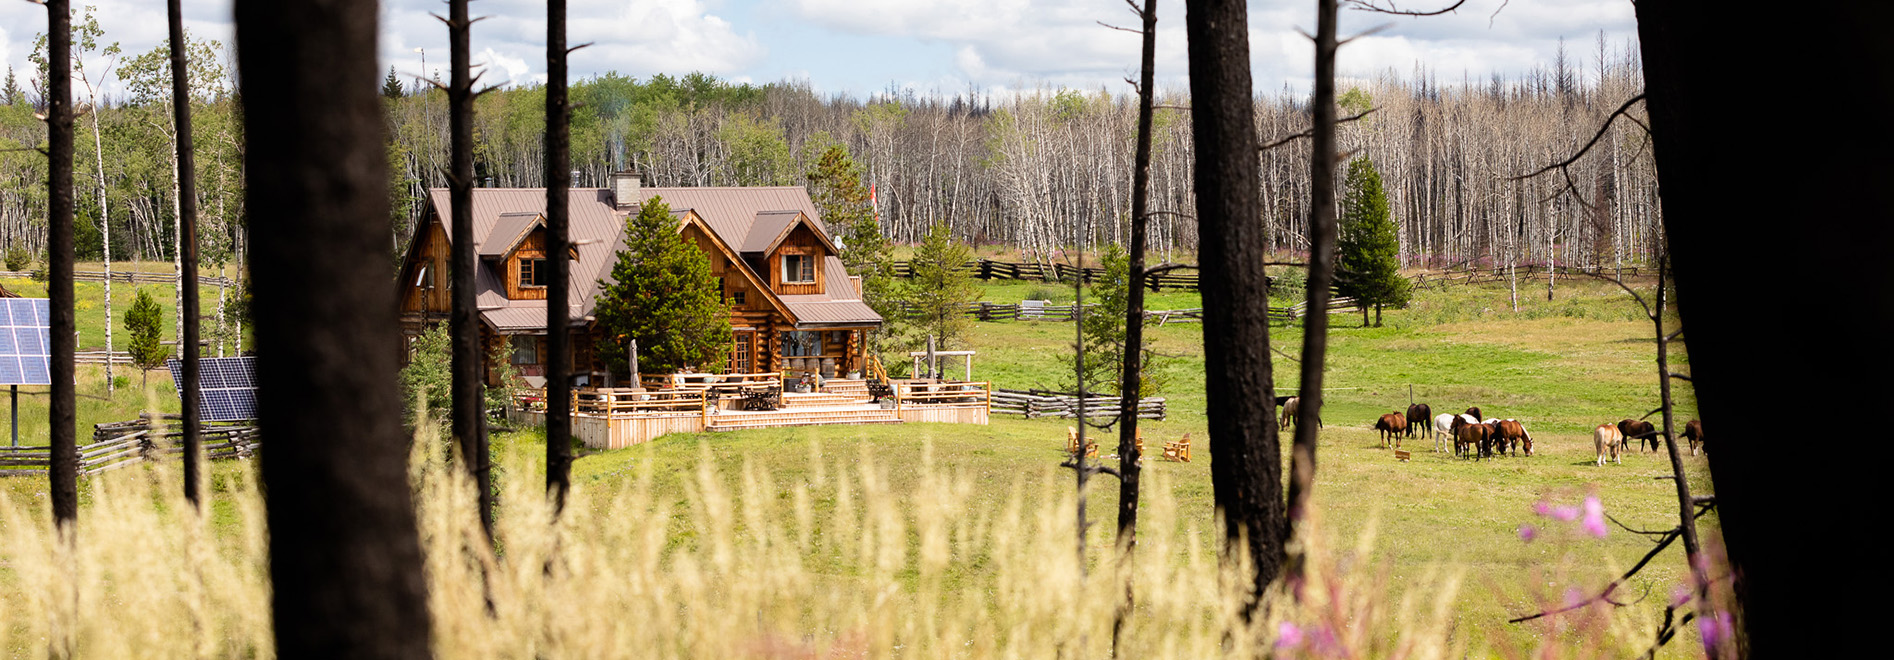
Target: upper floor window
(525, 349)
(533, 272)
(798, 269)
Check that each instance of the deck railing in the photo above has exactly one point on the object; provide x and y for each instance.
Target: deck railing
(962, 393)
(628, 402)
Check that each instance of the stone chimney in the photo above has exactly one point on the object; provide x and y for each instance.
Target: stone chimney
(625, 185)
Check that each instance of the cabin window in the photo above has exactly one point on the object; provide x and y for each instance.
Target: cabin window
(425, 278)
(533, 272)
(802, 344)
(798, 269)
(525, 349)
(737, 296)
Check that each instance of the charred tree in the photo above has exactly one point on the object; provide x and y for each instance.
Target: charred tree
(187, 253)
(558, 325)
(1130, 389)
(1321, 261)
(469, 417)
(1245, 457)
(1722, 178)
(63, 409)
(345, 554)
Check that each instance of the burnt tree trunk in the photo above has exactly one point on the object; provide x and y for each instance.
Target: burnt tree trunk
(187, 253)
(1245, 458)
(1827, 177)
(63, 409)
(345, 556)
(558, 332)
(1131, 388)
(469, 418)
(1322, 231)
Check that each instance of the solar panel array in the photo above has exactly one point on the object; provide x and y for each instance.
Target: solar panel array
(25, 342)
(226, 386)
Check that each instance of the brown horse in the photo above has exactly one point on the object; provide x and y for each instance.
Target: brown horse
(1693, 432)
(1511, 431)
(1418, 415)
(1639, 430)
(1608, 439)
(1289, 411)
(1391, 426)
(1472, 439)
(1475, 412)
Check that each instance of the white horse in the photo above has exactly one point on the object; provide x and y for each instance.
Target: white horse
(1443, 430)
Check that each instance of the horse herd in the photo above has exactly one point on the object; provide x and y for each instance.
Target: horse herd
(1473, 436)
(1479, 437)
(1610, 439)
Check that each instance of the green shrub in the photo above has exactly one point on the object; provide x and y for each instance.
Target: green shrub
(18, 258)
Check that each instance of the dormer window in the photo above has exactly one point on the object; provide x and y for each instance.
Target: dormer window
(533, 272)
(798, 269)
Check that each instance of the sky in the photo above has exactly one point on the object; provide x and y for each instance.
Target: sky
(862, 47)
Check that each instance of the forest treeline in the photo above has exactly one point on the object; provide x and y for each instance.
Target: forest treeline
(1040, 170)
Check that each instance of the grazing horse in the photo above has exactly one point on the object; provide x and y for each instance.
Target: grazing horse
(1417, 416)
(1471, 438)
(1474, 411)
(1640, 430)
(1693, 432)
(1607, 438)
(1511, 431)
(1443, 430)
(1391, 426)
(1289, 410)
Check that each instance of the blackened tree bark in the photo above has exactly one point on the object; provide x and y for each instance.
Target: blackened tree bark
(345, 556)
(1129, 388)
(1245, 458)
(558, 337)
(469, 417)
(187, 230)
(1722, 177)
(1321, 261)
(64, 471)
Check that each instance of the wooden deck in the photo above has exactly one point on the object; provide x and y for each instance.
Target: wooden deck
(624, 417)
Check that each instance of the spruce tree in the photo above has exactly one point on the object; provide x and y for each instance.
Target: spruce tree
(391, 85)
(835, 185)
(942, 288)
(1369, 247)
(1104, 328)
(144, 323)
(663, 295)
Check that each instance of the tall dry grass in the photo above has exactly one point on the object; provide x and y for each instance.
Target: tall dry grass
(842, 565)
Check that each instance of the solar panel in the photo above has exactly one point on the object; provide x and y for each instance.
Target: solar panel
(25, 353)
(227, 387)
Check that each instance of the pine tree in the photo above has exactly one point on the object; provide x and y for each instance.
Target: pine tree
(391, 85)
(663, 295)
(835, 184)
(1369, 249)
(1104, 327)
(144, 323)
(941, 286)
(12, 92)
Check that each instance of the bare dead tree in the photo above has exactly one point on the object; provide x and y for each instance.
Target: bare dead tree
(64, 471)
(1130, 389)
(1245, 456)
(558, 242)
(469, 415)
(345, 554)
(187, 253)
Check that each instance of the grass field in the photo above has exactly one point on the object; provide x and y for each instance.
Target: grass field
(1417, 529)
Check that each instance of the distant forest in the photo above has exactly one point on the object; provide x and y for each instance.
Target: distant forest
(1041, 170)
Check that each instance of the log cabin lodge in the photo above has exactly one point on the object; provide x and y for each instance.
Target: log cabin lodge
(794, 309)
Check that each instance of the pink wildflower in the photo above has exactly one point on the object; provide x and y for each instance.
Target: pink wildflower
(1716, 630)
(1595, 517)
(1679, 595)
(1541, 508)
(1527, 533)
(1565, 513)
(1288, 635)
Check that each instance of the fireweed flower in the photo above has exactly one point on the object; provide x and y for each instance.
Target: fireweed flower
(1716, 630)
(1565, 513)
(1595, 517)
(1541, 508)
(1527, 533)
(1288, 635)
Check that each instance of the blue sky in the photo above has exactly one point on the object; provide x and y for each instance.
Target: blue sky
(860, 47)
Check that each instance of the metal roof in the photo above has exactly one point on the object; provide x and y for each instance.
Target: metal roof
(507, 232)
(594, 226)
(821, 310)
(768, 229)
